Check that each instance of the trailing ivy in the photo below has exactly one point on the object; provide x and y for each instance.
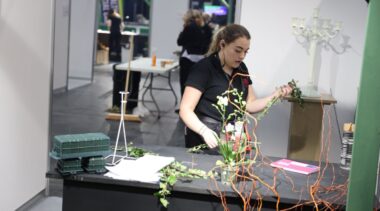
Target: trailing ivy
(171, 174)
(133, 151)
(264, 112)
(296, 93)
(198, 148)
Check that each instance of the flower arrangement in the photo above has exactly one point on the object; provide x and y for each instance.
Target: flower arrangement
(234, 141)
(234, 144)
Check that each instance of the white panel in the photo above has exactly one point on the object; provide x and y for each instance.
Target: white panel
(166, 24)
(25, 79)
(275, 58)
(61, 43)
(82, 30)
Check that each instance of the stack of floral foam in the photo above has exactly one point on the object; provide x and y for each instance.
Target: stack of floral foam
(80, 149)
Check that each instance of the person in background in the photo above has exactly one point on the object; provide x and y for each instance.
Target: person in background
(210, 77)
(195, 39)
(208, 21)
(116, 26)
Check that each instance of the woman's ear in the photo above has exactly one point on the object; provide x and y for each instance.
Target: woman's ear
(222, 44)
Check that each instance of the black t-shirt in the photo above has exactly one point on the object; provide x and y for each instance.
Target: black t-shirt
(115, 24)
(208, 77)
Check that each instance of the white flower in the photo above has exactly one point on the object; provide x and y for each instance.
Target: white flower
(243, 102)
(230, 128)
(222, 101)
(239, 126)
(233, 138)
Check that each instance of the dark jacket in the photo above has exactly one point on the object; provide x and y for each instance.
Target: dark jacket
(195, 39)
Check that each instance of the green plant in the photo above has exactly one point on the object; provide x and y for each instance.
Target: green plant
(296, 93)
(234, 140)
(133, 151)
(171, 174)
(114, 109)
(234, 98)
(197, 149)
(265, 111)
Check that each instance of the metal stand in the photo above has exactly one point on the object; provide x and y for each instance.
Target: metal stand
(121, 126)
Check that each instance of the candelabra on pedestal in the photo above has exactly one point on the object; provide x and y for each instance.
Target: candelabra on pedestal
(320, 31)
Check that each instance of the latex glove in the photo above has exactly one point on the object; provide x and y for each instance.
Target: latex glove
(209, 136)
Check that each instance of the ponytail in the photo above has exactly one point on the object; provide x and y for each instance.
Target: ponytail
(214, 45)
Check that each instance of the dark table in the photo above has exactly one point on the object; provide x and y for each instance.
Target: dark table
(97, 192)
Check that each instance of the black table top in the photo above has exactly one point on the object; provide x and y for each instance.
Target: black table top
(291, 187)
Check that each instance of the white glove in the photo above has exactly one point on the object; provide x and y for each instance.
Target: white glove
(209, 136)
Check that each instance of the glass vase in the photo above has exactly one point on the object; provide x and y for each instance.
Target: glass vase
(228, 175)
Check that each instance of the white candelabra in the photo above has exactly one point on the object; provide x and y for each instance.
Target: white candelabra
(320, 31)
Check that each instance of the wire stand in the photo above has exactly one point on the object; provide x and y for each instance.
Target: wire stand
(121, 125)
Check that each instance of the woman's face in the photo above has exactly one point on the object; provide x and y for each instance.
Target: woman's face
(234, 52)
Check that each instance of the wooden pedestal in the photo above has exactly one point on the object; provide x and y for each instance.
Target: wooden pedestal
(305, 127)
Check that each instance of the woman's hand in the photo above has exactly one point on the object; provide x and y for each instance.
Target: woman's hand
(209, 136)
(283, 91)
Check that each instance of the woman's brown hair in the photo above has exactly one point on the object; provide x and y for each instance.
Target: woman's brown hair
(229, 34)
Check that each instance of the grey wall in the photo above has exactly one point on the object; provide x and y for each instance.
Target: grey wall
(82, 31)
(275, 58)
(166, 24)
(61, 43)
(25, 79)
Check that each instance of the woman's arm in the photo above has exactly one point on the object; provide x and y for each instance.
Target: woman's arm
(255, 105)
(186, 37)
(108, 23)
(122, 25)
(189, 101)
(182, 39)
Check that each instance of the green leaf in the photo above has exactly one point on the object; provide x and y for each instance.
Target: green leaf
(172, 180)
(162, 185)
(219, 163)
(164, 202)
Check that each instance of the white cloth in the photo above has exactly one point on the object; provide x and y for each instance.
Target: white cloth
(193, 57)
(144, 169)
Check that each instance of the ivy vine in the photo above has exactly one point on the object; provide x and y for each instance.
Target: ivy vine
(133, 151)
(171, 174)
(296, 93)
(198, 148)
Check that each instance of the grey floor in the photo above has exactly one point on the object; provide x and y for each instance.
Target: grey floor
(82, 110)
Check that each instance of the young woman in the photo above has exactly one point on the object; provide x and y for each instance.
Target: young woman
(210, 77)
(116, 26)
(195, 39)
